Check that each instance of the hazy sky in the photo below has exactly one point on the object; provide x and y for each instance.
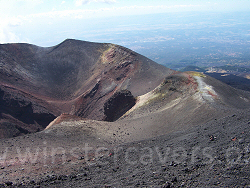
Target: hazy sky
(30, 20)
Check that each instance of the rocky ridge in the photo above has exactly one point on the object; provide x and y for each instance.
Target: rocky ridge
(162, 128)
(74, 77)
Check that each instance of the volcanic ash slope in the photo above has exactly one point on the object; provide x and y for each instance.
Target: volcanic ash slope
(38, 84)
(181, 101)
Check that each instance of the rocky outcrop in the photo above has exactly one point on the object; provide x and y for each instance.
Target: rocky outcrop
(118, 104)
(21, 113)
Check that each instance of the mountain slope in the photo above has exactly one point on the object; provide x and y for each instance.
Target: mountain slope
(74, 77)
(180, 102)
(119, 119)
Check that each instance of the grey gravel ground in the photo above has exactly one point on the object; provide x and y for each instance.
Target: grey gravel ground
(215, 154)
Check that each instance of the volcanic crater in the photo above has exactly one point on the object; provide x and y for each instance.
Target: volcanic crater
(56, 101)
(75, 77)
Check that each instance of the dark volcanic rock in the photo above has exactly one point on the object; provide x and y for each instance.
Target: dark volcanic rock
(75, 77)
(188, 130)
(21, 114)
(118, 104)
(22, 109)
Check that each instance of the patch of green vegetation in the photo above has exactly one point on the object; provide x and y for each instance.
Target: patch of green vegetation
(193, 73)
(155, 97)
(104, 52)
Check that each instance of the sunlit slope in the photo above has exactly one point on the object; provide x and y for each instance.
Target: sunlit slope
(181, 101)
